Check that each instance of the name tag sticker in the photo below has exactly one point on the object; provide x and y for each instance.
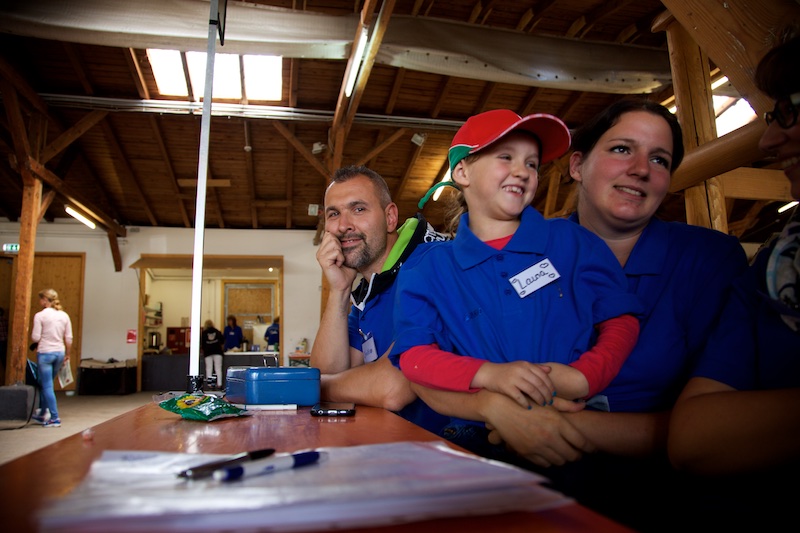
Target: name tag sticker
(368, 349)
(534, 278)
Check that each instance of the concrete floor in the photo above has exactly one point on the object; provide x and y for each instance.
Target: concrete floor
(77, 413)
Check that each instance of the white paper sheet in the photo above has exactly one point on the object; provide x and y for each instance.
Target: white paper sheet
(356, 486)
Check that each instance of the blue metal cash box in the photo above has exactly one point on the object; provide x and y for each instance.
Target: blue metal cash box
(260, 385)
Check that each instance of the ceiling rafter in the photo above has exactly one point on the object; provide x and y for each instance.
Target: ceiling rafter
(167, 160)
(338, 133)
(137, 75)
(250, 177)
(10, 83)
(398, 193)
(123, 167)
(542, 8)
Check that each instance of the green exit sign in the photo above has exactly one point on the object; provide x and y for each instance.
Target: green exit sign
(12, 247)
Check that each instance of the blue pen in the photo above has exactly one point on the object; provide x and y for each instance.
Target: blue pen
(266, 466)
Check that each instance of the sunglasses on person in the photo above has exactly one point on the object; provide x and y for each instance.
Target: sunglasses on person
(785, 112)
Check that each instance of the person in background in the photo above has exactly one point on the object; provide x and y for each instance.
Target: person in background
(615, 462)
(213, 348)
(273, 334)
(233, 334)
(362, 238)
(566, 327)
(736, 424)
(52, 331)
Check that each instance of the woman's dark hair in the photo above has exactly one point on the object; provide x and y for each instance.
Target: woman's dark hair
(586, 137)
(777, 74)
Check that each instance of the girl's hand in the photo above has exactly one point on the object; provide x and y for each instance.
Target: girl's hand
(523, 382)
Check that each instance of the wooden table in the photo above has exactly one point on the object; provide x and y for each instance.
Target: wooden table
(27, 482)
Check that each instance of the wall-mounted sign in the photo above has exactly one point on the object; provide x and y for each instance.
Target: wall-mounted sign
(131, 337)
(11, 247)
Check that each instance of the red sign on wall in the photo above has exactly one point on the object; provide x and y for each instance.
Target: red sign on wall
(131, 336)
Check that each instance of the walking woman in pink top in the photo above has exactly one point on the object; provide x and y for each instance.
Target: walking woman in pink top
(52, 330)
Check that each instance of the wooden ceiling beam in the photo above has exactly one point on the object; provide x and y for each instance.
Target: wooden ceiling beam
(123, 165)
(213, 197)
(407, 174)
(373, 44)
(167, 160)
(541, 7)
(290, 183)
(77, 65)
(337, 134)
(399, 76)
(486, 96)
(72, 134)
(444, 90)
(250, 175)
(567, 107)
(185, 64)
(136, 73)
(294, 77)
(735, 149)
(735, 35)
(116, 255)
(584, 24)
(21, 86)
(739, 227)
(29, 222)
(47, 176)
(305, 152)
(529, 106)
(383, 146)
(704, 202)
(747, 183)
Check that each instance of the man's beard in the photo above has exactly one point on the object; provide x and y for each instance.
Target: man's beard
(360, 257)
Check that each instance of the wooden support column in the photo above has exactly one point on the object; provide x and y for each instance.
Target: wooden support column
(29, 221)
(705, 202)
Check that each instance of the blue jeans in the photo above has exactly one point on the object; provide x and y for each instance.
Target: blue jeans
(49, 363)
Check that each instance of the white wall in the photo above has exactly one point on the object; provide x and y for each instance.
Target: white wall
(110, 300)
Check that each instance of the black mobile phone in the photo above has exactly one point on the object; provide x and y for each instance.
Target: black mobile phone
(333, 409)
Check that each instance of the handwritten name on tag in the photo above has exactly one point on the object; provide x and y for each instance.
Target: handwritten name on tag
(534, 278)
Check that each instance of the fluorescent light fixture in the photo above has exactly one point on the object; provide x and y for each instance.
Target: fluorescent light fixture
(78, 216)
(787, 207)
(438, 192)
(356, 66)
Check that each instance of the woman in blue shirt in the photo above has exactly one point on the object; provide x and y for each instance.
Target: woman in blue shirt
(737, 421)
(622, 162)
(233, 334)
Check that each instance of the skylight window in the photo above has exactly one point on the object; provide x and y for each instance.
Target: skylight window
(263, 75)
(168, 71)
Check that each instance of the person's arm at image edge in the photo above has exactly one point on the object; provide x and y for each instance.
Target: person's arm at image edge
(716, 429)
(378, 384)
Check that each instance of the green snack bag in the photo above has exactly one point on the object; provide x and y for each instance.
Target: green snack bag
(199, 406)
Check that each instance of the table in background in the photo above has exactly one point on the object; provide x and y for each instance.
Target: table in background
(29, 481)
(168, 372)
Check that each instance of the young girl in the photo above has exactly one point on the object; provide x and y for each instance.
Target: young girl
(541, 307)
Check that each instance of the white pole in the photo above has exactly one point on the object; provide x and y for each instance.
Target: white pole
(195, 381)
